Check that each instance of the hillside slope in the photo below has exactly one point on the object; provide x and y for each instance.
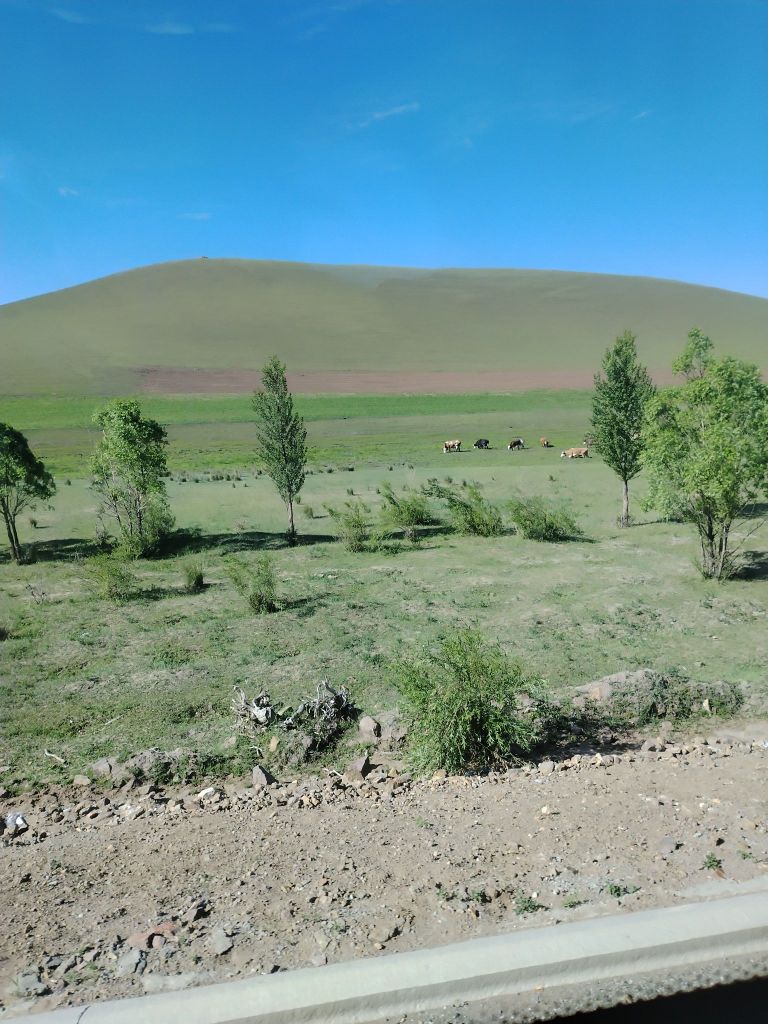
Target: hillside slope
(232, 314)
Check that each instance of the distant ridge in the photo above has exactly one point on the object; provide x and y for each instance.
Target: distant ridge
(134, 330)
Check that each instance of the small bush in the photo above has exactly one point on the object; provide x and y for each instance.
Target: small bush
(257, 584)
(535, 520)
(308, 511)
(33, 522)
(470, 512)
(5, 632)
(463, 705)
(109, 577)
(353, 523)
(405, 512)
(193, 572)
(671, 696)
(351, 491)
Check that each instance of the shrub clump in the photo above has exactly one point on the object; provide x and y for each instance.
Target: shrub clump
(109, 577)
(470, 512)
(466, 705)
(534, 519)
(404, 512)
(671, 696)
(353, 522)
(256, 584)
(193, 573)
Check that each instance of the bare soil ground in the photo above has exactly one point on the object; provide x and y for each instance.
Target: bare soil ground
(180, 381)
(112, 894)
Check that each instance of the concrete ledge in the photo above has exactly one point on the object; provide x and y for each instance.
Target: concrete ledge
(366, 990)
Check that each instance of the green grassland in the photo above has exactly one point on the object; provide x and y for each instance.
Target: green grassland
(82, 677)
(210, 432)
(94, 338)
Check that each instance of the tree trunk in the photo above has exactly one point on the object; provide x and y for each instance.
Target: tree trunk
(624, 521)
(13, 537)
(291, 526)
(709, 554)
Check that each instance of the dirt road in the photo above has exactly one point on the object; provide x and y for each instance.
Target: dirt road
(140, 890)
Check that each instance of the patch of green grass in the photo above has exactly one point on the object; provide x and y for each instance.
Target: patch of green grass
(526, 905)
(712, 863)
(617, 890)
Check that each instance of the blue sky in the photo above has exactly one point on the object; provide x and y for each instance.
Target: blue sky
(599, 135)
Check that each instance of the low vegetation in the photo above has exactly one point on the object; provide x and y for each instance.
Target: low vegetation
(536, 519)
(469, 511)
(466, 705)
(256, 583)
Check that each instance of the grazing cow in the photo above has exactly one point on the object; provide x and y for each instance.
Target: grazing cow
(451, 446)
(575, 453)
(482, 442)
(545, 442)
(516, 444)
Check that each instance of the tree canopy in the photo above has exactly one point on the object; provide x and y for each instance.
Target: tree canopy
(24, 481)
(622, 391)
(707, 450)
(282, 436)
(129, 470)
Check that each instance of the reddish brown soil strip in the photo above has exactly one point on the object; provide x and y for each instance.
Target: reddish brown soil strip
(178, 381)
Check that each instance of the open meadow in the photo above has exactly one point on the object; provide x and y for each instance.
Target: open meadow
(84, 677)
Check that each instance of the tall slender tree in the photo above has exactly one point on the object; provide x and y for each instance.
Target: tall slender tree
(622, 392)
(24, 481)
(282, 437)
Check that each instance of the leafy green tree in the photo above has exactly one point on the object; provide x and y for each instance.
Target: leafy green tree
(707, 453)
(621, 393)
(282, 437)
(129, 470)
(696, 356)
(24, 481)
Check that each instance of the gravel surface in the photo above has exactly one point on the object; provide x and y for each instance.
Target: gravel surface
(119, 893)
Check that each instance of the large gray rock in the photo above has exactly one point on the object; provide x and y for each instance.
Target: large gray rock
(368, 730)
(151, 761)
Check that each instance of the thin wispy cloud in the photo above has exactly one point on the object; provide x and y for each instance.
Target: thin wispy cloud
(385, 115)
(66, 192)
(195, 216)
(642, 115)
(71, 17)
(185, 28)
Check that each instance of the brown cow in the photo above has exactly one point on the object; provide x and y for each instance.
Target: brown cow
(575, 453)
(545, 442)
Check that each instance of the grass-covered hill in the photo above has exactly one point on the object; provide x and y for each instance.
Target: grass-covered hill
(231, 314)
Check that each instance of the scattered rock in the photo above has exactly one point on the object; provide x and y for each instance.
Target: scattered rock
(546, 767)
(13, 824)
(132, 962)
(28, 983)
(356, 771)
(170, 982)
(219, 942)
(261, 778)
(81, 780)
(667, 845)
(368, 730)
(274, 743)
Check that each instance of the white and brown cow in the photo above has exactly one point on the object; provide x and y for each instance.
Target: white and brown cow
(575, 453)
(516, 444)
(451, 446)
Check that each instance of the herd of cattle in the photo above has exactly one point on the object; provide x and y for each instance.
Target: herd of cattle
(517, 444)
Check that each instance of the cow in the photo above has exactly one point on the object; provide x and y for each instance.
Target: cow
(482, 442)
(516, 444)
(545, 442)
(575, 453)
(451, 446)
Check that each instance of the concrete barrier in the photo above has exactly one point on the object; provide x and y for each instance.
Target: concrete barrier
(582, 952)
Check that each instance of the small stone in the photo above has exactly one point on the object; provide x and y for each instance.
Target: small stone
(140, 940)
(81, 780)
(274, 743)
(440, 775)
(219, 942)
(261, 778)
(169, 982)
(667, 845)
(28, 983)
(132, 962)
(368, 730)
(546, 767)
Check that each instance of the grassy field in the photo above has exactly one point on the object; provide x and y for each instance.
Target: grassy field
(215, 431)
(233, 314)
(82, 677)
